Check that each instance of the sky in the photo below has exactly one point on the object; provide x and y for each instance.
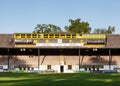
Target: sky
(22, 16)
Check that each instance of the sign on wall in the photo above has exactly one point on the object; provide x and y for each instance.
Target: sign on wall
(1, 67)
(59, 44)
(59, 40)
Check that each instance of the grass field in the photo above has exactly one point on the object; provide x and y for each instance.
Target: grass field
(62, 79)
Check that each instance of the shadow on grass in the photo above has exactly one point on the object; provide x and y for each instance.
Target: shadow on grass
(75, 79)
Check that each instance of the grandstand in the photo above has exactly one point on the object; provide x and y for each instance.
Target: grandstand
(59, 52)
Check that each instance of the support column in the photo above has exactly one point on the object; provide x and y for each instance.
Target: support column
(110, 59)
(79, 59)
(38, 59)
(82, 59)
(8, 59)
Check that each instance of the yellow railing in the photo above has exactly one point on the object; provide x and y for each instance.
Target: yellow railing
(62, 36)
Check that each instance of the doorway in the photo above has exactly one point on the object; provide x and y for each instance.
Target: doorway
(61, 69)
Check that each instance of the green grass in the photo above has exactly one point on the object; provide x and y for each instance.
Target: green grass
(73, 79)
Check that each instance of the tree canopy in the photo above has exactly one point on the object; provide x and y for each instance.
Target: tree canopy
(78, 26)
(46, 28)
(109, 30)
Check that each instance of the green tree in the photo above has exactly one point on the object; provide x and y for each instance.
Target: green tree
(109, 30)
(54, 28)
(76, 26)
(46, 28)
(100, 30)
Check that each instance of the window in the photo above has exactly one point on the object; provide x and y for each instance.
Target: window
(97, 69)
(48, 66)
(45, 35)
(24, 68)
(56, 35)
(22, 35)
(68, 35)
(39, 35)
(20, 68)
(73, 35)
(32, 68)
(89, 68)
(28, 35)
(69, 67)
(28, 68)
(51, 35)
(34, 35)
(85, 69)
(81, 34)
(17, 35)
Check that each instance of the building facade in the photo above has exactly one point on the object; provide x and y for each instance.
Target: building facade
(59, 52)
